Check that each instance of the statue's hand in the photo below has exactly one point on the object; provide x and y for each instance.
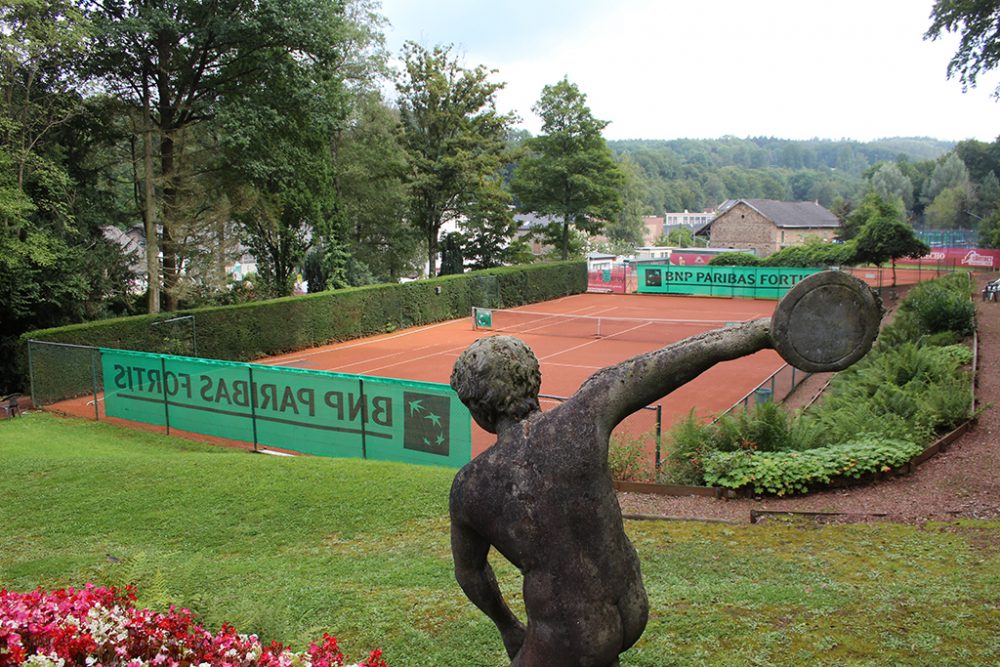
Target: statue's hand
(826, 322)
(513, 638)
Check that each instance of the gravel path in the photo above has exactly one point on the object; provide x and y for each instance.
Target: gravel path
(959, 483)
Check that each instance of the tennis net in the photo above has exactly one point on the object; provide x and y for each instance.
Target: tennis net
(587, 326)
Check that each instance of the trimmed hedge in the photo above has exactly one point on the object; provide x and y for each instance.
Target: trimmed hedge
(249, 331)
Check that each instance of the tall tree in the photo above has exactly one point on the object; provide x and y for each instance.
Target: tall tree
(978, 24)
(885, 234)
(370, 173)
(569, 171)
(489, 229)
(179, 59)
(453, 136)
(626, 229)
(891, 183)
(55, 265)
(949, 172)
(950, 209)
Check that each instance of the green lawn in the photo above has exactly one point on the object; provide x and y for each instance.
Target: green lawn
(292, 547)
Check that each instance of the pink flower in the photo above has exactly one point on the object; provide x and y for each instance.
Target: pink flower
(100, 627)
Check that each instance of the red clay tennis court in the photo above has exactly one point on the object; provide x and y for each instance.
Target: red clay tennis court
(568, 350)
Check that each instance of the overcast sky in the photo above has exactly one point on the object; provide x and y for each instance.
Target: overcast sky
(666, 69)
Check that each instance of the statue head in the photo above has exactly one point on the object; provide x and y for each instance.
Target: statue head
(497, 377)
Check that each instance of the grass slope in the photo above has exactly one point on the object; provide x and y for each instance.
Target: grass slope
(290, 548)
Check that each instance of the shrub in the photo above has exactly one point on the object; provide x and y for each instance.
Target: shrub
(627, 459)
(764, 427)
(815, 253)
(685, 446)
(906, 392)
(734, 259)
(938, 306)
(782, 473)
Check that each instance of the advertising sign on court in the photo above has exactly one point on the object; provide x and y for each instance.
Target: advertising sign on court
(748, 281)
(313, 412)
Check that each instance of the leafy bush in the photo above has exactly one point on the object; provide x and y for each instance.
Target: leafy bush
(905, 390)
(815, 253)
(936, 307)
(910, 392)
(763, 427)
(782, 473)
(734, 259)
(687, 444)
(627, 457)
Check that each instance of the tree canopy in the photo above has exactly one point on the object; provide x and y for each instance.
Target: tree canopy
(569, 171)
(453, 136)
(977, 22)
(885, 235)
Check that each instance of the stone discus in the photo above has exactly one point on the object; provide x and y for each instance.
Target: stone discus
(826, 322)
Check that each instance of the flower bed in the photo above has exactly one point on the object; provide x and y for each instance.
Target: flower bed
(101, 627)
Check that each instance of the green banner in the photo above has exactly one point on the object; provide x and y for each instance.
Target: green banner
(747, 281)
(313, 412)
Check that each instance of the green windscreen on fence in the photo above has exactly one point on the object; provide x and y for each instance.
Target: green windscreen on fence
(313, 412)
(749, 281)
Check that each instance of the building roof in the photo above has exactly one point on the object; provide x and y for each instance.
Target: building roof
(784, 214)
(794, 213)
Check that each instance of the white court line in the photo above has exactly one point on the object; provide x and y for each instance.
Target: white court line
(384, 356)
(580, 366)
(367, 341)
(447, 352)
(591, 342)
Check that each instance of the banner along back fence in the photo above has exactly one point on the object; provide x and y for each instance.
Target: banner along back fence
(308, 411)
(746, 281)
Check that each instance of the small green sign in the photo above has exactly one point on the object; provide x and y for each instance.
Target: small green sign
(484, 318)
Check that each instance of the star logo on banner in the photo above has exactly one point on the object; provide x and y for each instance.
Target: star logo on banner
(427, 423)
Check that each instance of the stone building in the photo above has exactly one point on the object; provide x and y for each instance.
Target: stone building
(767, 225)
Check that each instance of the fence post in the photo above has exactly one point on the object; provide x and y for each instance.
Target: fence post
(93, 380)
(659, 430)
(253, 407)
(364, 419)
(194, 335)
(31, 376)
(166, 401)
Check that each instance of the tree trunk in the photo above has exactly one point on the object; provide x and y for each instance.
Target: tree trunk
(167, 112)
(432, 232)
(170, 268)
(152, 244)
(565, 238)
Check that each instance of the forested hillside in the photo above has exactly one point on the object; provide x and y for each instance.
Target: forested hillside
(693, 174)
